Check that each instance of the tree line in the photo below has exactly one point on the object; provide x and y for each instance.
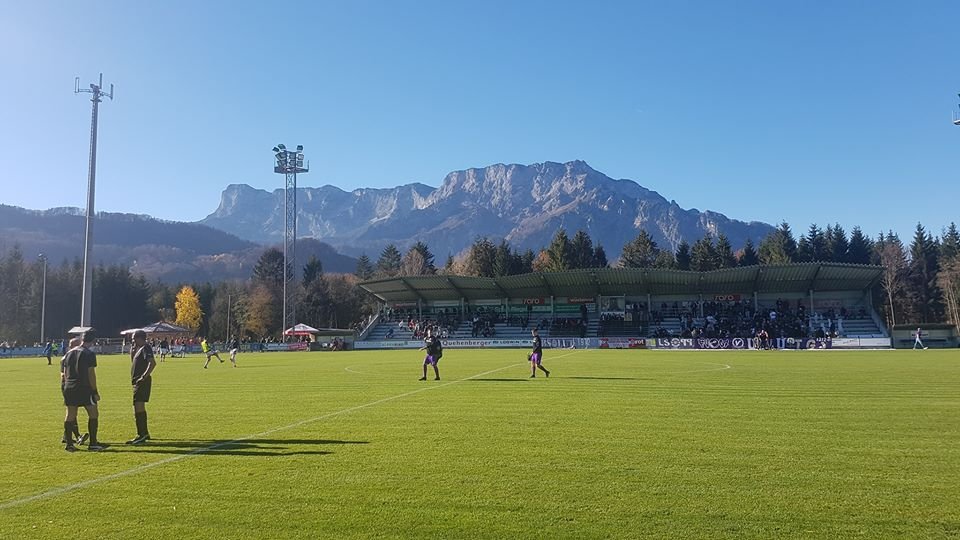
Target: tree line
(920, 281)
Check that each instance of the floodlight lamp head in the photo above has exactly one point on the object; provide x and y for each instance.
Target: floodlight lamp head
(282, 147)
(299, 148)
(275, 149)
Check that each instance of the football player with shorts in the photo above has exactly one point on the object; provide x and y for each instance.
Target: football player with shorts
(536, 355)
(79, 387)
(434, 351)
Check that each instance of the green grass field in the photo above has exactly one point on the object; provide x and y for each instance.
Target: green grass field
(624, 444)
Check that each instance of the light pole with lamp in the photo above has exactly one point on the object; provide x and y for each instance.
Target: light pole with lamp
(43, 300)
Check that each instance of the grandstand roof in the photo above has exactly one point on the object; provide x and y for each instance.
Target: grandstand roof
(785, 278)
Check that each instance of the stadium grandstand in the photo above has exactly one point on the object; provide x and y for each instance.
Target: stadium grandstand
(790, 303)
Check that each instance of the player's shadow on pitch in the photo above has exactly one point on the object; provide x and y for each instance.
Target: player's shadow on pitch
(501, 380)
(247, 447)
(608, 378)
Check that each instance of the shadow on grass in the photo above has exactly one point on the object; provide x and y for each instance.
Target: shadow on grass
(247, 447)
(608, 378)
(500, 380)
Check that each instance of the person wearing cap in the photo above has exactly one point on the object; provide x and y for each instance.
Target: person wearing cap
(80, 390)
(142, 365)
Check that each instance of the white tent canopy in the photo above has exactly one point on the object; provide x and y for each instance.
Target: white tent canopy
(160, 327)
(300, 330)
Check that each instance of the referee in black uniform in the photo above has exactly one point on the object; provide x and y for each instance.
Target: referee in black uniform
(142, 365)
(80, 390)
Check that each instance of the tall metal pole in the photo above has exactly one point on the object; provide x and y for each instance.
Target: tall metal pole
(289, 163)
(87, 298)
(43, 300)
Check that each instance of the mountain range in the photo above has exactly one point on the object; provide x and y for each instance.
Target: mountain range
(168, 251)
(524, 204)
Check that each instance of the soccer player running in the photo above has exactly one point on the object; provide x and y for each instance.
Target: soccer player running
(536, 355)
(434, 351)
(164, 347)
(209, 352)
(234, 348)
(142, 365)
(917, 342)
(80, 390)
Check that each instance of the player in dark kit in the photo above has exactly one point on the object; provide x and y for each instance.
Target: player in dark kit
(80, 390)
(536, 355)
(142, 365)
(80, 439)
(434, 349)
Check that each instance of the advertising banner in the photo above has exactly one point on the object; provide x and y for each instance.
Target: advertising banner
(622, 343)
(726, 298)
(286, 347)
(737, 343)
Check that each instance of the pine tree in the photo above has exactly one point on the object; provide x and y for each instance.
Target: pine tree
(925, 295)
(599, 257)
(364, 268)
(560, 253)
(389, 263)
(313, 270)
(950, 243)
(748, 257)
(812, 246)
(269, 268)
(581, 250)
(725, 256)
(838, 248)
(703, 255)
(779, 247)
(428, 264)
(683, 255)
(641, 252)
(860, 248)
(481, 258)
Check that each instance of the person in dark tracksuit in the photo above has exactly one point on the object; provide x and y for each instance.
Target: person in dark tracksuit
(142, 365)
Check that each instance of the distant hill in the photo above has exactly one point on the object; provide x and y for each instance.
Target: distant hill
(524, 204)
(160, 250)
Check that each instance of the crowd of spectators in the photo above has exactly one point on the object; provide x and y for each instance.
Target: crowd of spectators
(770, 325)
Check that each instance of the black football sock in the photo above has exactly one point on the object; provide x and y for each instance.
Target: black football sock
(68, 432)
(141, 418)
(92, 424)
(76, 428)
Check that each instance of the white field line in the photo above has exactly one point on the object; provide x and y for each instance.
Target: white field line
(140, 468)
(721, 368)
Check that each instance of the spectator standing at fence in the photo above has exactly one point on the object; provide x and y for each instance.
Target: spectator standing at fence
(48, 351)
(918, 342)
(142, 365)
(79, 387)
(536, 355)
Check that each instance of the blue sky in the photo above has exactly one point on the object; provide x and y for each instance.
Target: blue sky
(809, 112)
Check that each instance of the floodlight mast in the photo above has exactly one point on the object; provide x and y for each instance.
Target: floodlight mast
(87, 298)
(956, 116)
(289, 163)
